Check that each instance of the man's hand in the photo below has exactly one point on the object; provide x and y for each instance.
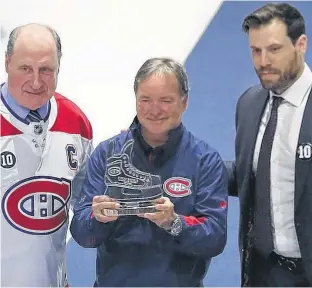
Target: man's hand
(165, 215)
(102, 206)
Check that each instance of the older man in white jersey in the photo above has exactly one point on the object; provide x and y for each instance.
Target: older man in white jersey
(45, 143)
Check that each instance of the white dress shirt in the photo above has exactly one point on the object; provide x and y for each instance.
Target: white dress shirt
(290, 113)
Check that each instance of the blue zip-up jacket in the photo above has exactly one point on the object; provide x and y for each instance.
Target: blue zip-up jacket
(133, 251)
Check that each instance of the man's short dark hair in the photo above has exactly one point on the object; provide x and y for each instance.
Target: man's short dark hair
(284, 12)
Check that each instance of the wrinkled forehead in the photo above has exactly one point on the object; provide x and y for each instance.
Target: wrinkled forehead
(272, 33)
(159, 84)
(36, 42)
(35, 55)
(34, 39)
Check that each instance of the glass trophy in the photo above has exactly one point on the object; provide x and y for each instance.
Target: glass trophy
(132, 188)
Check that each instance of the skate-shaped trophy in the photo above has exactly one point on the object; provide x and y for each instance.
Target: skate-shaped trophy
(133, 189)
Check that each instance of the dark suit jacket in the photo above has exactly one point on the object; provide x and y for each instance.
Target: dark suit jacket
(249, 110)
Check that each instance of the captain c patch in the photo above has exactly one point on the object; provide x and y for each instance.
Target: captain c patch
(178, 186)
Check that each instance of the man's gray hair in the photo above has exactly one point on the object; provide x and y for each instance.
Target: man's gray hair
(163, 66)
(14, 34)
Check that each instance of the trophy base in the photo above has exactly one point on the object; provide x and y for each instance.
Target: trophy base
(130, 209)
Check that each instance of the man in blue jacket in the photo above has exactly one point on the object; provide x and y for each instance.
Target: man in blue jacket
(180, 174)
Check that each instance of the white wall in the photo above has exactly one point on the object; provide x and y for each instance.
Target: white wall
(104, 44)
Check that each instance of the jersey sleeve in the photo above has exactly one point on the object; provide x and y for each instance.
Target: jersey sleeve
(84, 228)
(81, 127)
(81, 174)
(204, 233)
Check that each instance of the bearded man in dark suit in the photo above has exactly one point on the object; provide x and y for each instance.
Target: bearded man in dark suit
(272, 173)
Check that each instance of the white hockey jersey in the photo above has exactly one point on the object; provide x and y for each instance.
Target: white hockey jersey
(42, 170)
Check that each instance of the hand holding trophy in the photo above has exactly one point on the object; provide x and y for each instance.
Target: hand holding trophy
(165, 215)
(132, 189)
(101, 204)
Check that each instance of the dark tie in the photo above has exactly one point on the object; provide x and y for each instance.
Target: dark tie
(262, 230)
(33, 116)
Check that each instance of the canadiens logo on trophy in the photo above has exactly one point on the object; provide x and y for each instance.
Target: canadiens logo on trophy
(132, 188)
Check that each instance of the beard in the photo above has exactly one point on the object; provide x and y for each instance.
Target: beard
(285, 79)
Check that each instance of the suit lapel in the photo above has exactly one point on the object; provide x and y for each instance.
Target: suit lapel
(253, 108)
(256, 111)
(302, 166)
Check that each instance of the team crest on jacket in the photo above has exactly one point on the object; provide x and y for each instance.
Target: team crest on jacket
(37, 205)
(178, 186)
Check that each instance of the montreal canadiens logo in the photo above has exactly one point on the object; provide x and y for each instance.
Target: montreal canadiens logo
(37, 205)
(178, 186)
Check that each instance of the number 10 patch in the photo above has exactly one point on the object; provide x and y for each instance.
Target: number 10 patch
(304, 151)
(8, 159)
